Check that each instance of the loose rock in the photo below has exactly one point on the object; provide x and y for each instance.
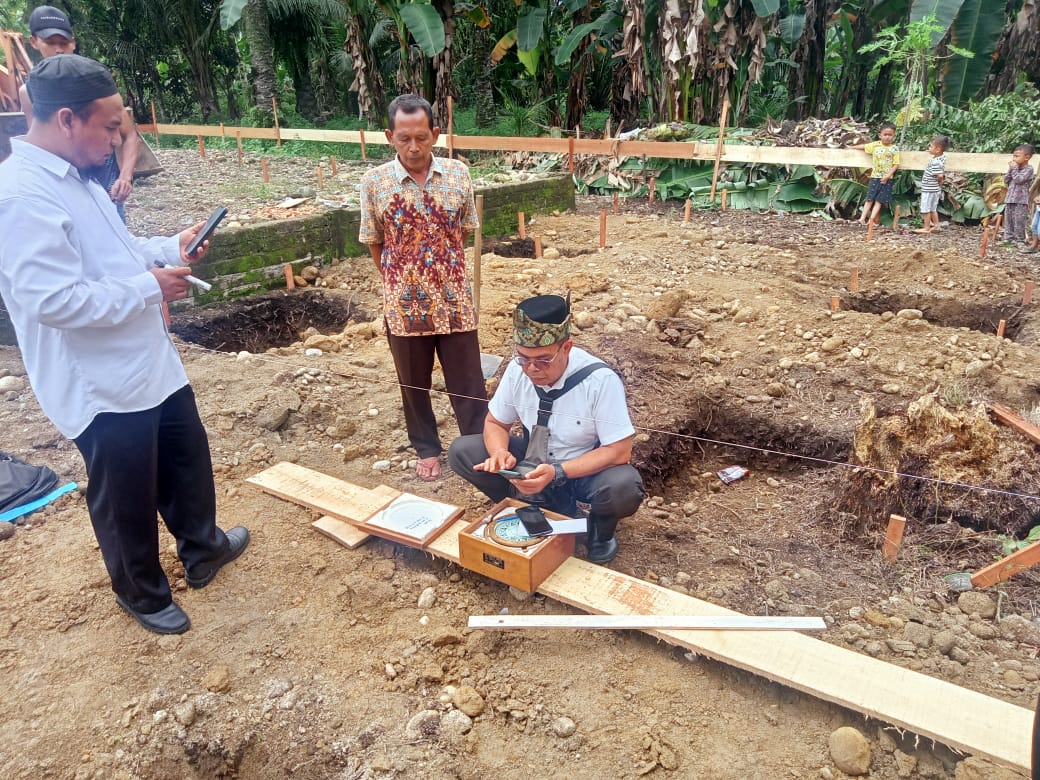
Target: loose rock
(850, 751)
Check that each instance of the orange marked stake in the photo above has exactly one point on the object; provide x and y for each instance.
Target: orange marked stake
(835, 303)
(653, 186)
(364, 156)
(686, 211)
(321, 178)
(1027, 293)
(893, 537)
(290, 282)
(538, 247)
(263, 170)
(202, 146)
(870, 230)
(238, 139)
(335, 168)
(617, 209)
(854, 279)
(570, 154)
(1012, 420)
(1007, 567)
(895, 220)
(1000, 328)
(725, 195)
(520, 223)
(603, 229)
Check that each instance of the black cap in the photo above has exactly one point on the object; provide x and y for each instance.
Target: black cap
(542, 320)
(48, 20)
(65, 79)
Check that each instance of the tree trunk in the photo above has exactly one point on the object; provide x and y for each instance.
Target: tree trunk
(306, 105)
(1019, 49)
(624, 104)
(325, 89)
(368, 80)
(805, 79)
(441, 65)
(261, 58)
(577, 89)
(486, 115)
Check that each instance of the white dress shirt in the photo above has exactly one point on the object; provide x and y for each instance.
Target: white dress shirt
(588, 415)
(84, 305)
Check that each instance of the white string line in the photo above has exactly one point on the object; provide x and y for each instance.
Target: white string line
(284, 359)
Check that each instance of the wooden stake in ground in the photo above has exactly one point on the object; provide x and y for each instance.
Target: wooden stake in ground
(653, 186)
(686, 211)
(835, 303)
(277, 129)
(238, 142)
(335, 168)
(321, 178)
(202, 146)
(603, 229)
(725, 194)
(617, 208)
(854, 279)
(538, 247)
(478, 251)
(155, 125)
(985, 239)
(570, 154)
(263, 170)
(893, 537)
(520, 225)
(1027, 293)
(895, 220)
(290, 281)
(364, 156)
(870, 230)
(718, 147)
(1007, 567)
(1000, 328)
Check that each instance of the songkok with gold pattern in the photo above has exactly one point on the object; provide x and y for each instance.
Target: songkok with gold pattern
(542, 321)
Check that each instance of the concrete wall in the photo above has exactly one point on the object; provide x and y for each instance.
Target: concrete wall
(250, 259)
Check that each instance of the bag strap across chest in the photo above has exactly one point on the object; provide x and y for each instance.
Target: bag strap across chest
(546, 398)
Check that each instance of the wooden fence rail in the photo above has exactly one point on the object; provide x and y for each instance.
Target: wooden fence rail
(771, 155)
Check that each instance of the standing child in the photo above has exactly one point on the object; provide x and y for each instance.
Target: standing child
(885, 158)
(1016, 202)
(931, 184)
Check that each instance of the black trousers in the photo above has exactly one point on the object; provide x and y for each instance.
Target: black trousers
(459, 355)
(613, 493)
(141, 463)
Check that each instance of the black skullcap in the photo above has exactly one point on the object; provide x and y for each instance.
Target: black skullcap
(48, 20)
(65, 79)
(541, 321)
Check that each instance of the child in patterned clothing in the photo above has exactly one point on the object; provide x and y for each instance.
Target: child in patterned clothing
(1034, 244)
(1016, 202)
(931, 184)
(885, 157)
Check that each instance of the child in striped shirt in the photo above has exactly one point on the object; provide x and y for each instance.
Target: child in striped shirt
(931, 184)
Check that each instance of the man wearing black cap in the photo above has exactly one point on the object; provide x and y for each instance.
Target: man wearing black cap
(50, 34)
(577, 440)
(85, 298)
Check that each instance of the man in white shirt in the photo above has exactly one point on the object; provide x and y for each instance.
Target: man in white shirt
(85, 299)
(577, 440)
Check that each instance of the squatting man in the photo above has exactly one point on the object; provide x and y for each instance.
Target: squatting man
(577, 434)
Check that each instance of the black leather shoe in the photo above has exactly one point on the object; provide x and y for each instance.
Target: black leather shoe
(203, 574)
(602, 551)
(168, 620)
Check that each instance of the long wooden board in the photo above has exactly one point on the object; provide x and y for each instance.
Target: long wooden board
(958, 717)
(1007, 567)
(643, 622)
(346, 534)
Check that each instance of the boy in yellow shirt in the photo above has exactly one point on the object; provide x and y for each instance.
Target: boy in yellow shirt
(885, 158)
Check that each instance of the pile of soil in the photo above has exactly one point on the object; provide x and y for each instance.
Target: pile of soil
(311, 660)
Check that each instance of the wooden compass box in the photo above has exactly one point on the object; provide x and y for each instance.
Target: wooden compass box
(522, 568)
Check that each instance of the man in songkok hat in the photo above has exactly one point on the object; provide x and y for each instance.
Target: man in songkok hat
(577, 440)
(50, 34)
(85, 298)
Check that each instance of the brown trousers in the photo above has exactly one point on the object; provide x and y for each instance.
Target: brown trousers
(459, 355)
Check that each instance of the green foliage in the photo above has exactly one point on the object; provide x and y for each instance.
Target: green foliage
(1010, 544)
(425, 25)
(976, 28)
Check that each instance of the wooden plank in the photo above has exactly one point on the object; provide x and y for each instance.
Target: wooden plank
(958, 717)
(1012, 420)
(643, 622)
(1007, 567)
(337, 530)
(313, 489)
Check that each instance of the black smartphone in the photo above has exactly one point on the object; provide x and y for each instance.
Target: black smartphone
(509, 473)
(211, 224)
(534, 521)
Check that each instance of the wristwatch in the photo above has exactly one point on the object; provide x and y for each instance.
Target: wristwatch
(561, 476)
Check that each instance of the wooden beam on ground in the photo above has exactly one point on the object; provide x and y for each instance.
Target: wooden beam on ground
(1008, 567)
(643, 622)
(933, 708)
(1012, 420)
(346, 534)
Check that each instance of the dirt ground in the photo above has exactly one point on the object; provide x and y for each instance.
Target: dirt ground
(309, 660)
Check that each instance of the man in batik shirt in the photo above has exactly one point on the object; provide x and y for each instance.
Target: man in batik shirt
(416, 212)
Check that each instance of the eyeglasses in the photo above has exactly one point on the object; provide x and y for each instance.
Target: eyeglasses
(540, 362)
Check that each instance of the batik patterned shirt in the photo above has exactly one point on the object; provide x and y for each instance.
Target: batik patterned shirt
(422, 230)
(1018, 179)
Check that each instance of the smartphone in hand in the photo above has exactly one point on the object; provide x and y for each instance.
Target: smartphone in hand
(207, 230)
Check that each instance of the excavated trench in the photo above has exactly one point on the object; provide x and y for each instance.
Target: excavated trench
(980, 315)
